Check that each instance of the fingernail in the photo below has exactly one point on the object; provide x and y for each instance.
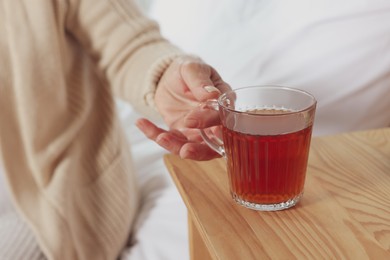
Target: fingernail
(162, 141)
(188, 154)
(211, 89)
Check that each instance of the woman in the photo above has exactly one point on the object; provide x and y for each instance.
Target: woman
(65, 157)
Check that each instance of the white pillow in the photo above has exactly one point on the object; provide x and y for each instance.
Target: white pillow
(337, 50)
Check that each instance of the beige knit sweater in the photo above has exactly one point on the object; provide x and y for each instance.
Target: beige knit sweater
(67, 164)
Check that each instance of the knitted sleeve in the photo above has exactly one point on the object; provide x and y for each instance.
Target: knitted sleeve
(127, 46)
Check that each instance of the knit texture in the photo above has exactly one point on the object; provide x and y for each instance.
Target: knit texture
(66, 159)
(18, 242)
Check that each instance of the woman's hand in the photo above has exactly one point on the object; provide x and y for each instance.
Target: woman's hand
(184, 87)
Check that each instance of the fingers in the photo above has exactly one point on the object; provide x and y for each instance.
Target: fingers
(176, 98)
(203, 81)
(171, 141)
(187, 145)
(197, 151)
(201, 117)
(149, 129)
(197, 76)
(218, 81)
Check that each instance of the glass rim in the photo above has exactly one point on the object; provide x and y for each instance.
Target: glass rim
(278, 87)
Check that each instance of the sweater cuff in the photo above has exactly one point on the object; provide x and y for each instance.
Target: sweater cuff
(151, 62)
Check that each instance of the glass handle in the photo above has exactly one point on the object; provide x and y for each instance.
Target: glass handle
(214, 142)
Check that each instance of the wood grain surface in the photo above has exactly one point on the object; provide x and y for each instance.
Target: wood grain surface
(344, 213)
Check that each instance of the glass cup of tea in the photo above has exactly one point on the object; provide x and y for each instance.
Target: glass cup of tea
(265, 139)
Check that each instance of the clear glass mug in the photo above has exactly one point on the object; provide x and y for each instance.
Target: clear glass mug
(266, 134)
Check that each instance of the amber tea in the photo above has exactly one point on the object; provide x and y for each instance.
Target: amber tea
(266, 169)
(266, 134)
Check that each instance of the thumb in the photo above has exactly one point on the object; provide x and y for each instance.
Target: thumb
(202, 80)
